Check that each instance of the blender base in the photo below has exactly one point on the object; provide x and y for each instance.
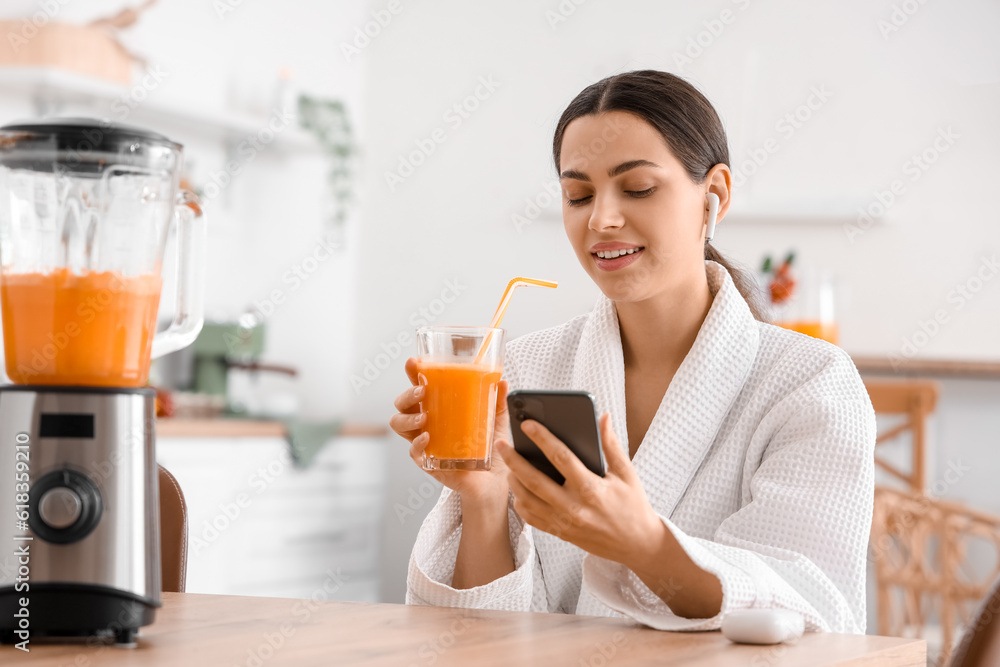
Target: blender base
(76, 611)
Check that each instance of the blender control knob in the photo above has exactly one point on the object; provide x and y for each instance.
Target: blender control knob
(64, 506)
(60, 507)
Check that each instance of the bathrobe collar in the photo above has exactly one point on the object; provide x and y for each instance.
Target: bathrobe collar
(698, 398)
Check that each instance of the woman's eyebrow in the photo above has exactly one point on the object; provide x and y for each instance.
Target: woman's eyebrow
(614, 171)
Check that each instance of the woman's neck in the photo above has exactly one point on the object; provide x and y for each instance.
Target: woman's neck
(658, 332)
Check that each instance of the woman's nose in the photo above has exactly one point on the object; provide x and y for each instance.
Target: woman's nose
(606, 214)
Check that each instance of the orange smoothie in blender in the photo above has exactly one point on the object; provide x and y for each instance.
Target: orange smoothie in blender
(65, 328)
(460, 404)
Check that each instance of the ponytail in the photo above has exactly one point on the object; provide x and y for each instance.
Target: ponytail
(745, 284)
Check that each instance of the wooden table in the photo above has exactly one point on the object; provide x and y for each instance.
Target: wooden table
(219, 630)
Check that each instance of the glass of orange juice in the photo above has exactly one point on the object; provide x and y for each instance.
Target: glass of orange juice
(461, 368)
(811, 308)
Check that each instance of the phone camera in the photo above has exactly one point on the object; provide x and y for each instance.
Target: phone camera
(518, 403)
(521, 416)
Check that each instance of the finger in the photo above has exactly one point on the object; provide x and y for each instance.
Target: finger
(557, 452)
(408, 424)
(417, 447)
(614, 455)
(527, 505)
(412, 368)
(530, 477)
(409, 400)
(502, 419)
(524, 499)
(538, 513)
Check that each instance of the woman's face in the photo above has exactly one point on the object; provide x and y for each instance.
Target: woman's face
(624, 192)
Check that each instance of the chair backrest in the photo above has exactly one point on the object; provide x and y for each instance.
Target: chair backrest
(913, 400)
(980, 646)
(173, 533)
(919, 546)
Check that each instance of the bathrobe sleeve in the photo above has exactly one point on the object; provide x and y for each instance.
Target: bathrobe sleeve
(432, 562)
(800, 543)
(432, 565)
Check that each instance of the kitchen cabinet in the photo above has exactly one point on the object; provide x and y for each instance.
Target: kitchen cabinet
(258, 525)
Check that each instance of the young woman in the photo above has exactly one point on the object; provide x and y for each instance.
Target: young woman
(740, 454)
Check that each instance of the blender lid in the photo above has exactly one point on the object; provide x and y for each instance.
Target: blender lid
(83, 146)
(93, 134)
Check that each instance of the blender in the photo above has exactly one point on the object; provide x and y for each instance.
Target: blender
(86, 207)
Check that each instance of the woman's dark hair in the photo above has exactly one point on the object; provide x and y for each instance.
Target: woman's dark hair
(688, 123)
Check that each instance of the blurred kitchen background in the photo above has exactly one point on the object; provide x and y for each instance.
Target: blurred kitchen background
(370, 166)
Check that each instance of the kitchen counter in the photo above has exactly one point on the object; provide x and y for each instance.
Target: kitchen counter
(928, 368)
(295, 520)
(230, 427)
(228, 630)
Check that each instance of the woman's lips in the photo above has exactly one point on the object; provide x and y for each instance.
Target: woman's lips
(618, 262)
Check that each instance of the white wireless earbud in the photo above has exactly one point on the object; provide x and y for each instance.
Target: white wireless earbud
(713, 213)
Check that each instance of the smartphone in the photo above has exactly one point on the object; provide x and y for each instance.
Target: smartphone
(569, 415)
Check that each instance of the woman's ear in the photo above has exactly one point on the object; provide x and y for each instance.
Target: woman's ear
(719, 182)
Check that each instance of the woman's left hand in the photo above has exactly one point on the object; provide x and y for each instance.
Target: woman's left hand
(608, 516)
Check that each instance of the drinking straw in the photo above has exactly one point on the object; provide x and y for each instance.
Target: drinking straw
(502, 308)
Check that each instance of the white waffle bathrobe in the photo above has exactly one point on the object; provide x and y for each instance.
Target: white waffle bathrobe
(759, 460)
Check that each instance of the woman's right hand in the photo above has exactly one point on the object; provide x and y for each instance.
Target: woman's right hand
(475, 486)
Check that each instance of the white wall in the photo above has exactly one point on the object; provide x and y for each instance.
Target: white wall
(451, 219)
(889, 97)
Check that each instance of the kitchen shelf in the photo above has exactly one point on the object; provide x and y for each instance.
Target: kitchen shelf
(51, 89)
(806, 217)
(759, 215)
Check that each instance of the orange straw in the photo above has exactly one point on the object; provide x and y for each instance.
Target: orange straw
(502, 308)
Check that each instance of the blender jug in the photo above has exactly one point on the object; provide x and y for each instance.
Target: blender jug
(85, 211)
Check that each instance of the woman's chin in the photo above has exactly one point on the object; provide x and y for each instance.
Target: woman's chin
(621, 290)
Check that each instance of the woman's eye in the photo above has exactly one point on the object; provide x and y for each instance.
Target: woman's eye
(635, 194)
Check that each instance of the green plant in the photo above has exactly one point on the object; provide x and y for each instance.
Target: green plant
(327, 120)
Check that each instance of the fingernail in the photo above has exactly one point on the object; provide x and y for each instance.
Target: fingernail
(422, 417)
(419, 392)
(528, 427)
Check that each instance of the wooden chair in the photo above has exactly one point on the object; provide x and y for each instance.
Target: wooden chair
(913, 400)
(980, 646)
(920, 549)
(173, 534)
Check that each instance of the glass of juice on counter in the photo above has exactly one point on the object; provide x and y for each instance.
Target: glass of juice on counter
(810, 310)
(462, 367)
